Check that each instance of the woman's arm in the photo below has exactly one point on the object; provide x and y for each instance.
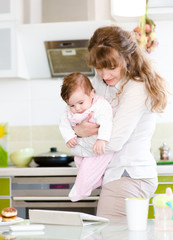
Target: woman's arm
(127, 116)
(86, 128)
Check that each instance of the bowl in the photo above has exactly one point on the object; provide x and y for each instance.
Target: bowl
(22, 157)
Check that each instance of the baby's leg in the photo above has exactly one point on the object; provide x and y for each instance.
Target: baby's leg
(78, 161)
(89, 176)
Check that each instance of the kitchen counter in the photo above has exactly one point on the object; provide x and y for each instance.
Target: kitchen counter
(115, 230)
(61, 171)
(38, 171)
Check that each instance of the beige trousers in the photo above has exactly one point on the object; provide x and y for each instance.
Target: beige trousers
(113, 194)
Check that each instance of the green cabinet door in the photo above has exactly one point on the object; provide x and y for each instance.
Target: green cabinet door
(5, 194)
(4, 187)
(4, 203)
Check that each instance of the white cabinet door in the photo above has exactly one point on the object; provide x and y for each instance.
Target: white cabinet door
(9, 17)
(8, 10)
(8, 59)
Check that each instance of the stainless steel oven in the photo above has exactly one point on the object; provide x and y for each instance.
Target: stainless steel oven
(69, 56)
(50, 192)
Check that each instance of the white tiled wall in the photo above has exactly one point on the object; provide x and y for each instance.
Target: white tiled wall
(30, 102)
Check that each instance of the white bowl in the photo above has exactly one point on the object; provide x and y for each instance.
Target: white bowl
(22, 157)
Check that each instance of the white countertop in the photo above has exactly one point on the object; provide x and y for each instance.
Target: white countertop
(115, 230)
(62, 171)
(38, 171)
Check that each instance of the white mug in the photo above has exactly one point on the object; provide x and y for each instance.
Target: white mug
(137, 213)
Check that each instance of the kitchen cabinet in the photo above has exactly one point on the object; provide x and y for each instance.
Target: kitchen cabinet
(9, 17)
(8, 10)
(8, 57)
(5, 192)
(45, 11)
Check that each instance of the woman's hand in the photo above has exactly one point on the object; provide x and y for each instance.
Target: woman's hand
(86, 128)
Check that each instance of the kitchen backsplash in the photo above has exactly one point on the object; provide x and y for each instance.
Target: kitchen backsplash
(42, 138)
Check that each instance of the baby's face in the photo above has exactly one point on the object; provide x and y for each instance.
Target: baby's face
(79, 101)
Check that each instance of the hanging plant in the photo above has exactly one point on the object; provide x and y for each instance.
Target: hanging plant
(145, 33)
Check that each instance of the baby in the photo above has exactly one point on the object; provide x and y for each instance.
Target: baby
(77, 91)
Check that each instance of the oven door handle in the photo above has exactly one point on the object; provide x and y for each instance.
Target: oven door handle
(44, 198)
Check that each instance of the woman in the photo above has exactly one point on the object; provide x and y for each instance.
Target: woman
(126, 78)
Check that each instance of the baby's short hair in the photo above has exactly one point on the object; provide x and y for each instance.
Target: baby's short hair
(74, 81)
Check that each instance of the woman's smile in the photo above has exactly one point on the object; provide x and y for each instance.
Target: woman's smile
(108, 81)
(110, 76)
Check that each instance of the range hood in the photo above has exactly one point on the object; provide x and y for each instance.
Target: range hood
(34, 40)
(68, 56)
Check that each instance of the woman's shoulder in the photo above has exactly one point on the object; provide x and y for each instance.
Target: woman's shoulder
(134, 90)
(135, 85)
(132, 82)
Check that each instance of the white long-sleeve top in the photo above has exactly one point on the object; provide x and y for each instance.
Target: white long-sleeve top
(133, 127)
(102, 115)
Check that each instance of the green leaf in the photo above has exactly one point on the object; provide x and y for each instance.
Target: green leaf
(3, 157)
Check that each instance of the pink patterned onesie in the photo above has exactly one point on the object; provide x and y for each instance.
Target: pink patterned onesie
(90, 169)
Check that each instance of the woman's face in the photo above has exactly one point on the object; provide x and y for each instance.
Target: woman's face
(110, 76)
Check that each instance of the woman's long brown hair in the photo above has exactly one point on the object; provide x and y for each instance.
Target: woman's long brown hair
(112, 47)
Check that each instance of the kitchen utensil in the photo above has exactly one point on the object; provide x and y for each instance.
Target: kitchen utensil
(53, 158)
(22, 157)
(164, 152)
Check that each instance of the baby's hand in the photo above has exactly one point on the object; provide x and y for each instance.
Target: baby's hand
(99, 147)
(72, 142)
